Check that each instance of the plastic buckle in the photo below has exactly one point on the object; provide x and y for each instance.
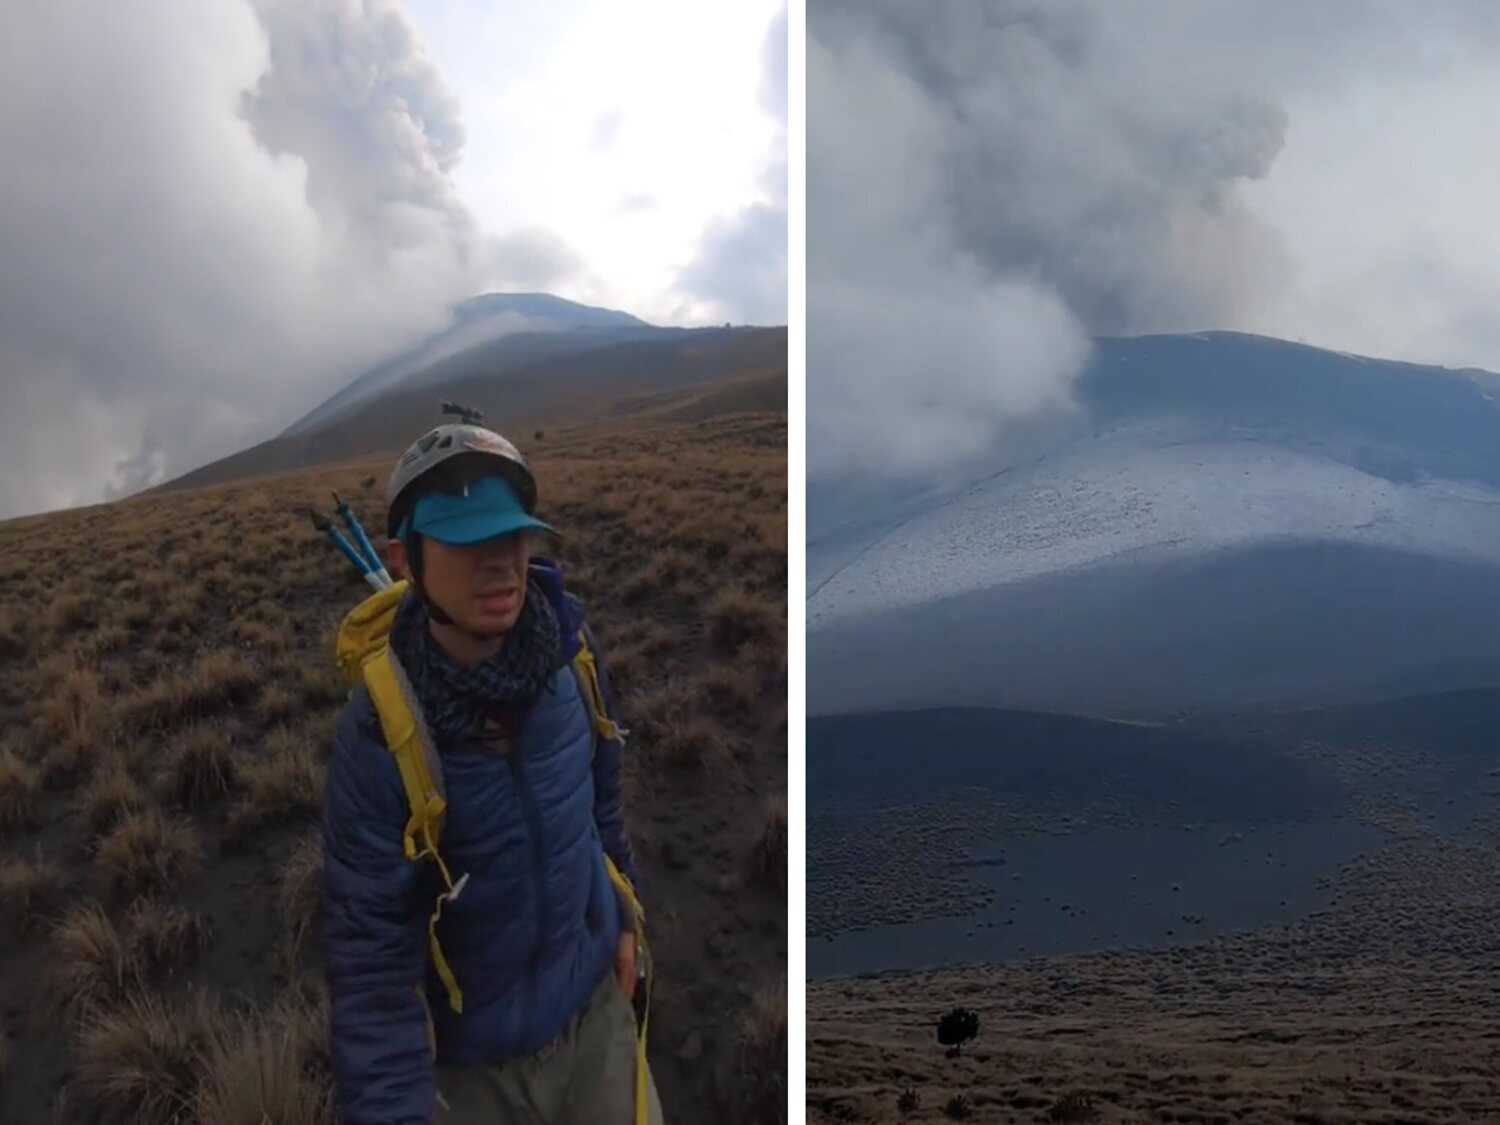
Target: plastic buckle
(458, 887)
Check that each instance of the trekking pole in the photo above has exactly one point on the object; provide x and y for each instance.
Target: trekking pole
(357, 531)
(346, 548)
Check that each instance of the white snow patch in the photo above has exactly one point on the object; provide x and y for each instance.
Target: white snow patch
(1149, 491)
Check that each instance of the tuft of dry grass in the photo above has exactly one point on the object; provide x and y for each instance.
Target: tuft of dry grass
(301, 880)
(763, 1054)
(301, 896)
(110, 797)
(18, 788)
(71, 710)
(260, 636)
(688, 742)
(66, 613)
(102, 641)
(647, 711)
(768, 860)
(673, 729)
(768, 658)
(182, 615)
(217, 681)
(110, 638)
(653, 639)
(148, 851)
(65, 764)
(29, 890)
(319, 731)
(730, 689)
(1073, 1108)
(92, 964)
(279, 703)
(627, 668)
(142, 1058)
(222, 676)
(283, 784)
(668, 570)
(154, 586)
(13, 632)
(160, 936)
(737, 617)
(133, 615)
(318, 681)
(199, 765)
(959, 1107)
(268, 1067)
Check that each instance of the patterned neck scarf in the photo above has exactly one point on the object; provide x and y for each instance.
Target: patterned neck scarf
(457, 700)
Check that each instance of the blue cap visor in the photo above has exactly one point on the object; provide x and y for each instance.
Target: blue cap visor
(487, 509)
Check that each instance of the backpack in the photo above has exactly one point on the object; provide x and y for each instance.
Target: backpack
(363, 655)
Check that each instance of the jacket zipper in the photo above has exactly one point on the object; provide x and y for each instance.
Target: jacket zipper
(534, 842)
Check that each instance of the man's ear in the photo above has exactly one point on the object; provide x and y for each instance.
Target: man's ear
(396, 562)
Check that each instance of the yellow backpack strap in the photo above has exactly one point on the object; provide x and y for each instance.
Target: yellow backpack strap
(642, 951)
(421, 777)
(587, 670)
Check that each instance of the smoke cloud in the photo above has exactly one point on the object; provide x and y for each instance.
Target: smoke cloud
(990, 183)
(980, 200)
(212, 213)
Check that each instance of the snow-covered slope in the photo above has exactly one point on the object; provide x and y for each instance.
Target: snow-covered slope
(1147, 492)
(1226, 486)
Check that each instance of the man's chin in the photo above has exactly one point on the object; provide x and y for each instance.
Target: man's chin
(493, 624)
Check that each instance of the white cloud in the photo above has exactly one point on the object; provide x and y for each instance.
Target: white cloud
(227, 208)
(738, 272)
(222, 207)
(574, 106)
(1385, 201)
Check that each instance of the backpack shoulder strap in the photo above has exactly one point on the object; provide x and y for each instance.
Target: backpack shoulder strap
(586, 669)
(410, 743)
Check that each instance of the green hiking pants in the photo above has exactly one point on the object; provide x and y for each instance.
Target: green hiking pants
(586, 1076)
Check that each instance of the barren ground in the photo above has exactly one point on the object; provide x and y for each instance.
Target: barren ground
(1383, 1008)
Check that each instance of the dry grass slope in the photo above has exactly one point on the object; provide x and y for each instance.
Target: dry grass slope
(167, 707)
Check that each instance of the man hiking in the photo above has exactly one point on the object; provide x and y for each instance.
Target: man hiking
(484, 975)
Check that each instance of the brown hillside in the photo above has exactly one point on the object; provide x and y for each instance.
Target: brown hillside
(569, 391)
(166, 701)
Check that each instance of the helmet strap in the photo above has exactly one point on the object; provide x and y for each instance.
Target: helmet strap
(413, 544)
(434, 611)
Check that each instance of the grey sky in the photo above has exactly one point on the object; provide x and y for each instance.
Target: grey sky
(1065, 167)
(742, 258)
(214, 214)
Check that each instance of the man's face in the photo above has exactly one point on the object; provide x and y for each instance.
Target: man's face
(481, 586)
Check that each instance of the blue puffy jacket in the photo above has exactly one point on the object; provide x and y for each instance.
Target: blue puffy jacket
(536, 927)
